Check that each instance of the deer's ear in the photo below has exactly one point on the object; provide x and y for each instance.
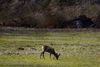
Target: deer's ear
(52, 44)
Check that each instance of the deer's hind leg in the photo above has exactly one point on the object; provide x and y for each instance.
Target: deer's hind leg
(42, 54)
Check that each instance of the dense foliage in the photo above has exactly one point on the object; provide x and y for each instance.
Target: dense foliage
(47, 13)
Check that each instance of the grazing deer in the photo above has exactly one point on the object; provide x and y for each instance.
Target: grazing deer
(50, 50)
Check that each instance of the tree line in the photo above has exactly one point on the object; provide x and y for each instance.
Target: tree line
(47, 13)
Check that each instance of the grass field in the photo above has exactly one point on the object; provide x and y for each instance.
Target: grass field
(77, 48)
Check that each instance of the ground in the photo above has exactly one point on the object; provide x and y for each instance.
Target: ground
(78, 48)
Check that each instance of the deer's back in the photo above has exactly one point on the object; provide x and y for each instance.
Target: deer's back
(47, 48)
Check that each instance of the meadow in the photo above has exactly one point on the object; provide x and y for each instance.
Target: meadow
(78, 48)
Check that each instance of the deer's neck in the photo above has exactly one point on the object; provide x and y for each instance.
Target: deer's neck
(55, 54)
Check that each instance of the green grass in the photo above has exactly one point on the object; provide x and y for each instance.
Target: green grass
(33, 60)
(78, 49)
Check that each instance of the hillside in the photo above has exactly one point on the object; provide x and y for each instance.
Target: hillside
(47, 13)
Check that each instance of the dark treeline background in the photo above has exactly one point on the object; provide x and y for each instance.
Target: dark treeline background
(47, 13)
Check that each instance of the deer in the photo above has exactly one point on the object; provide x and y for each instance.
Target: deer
(49, 50)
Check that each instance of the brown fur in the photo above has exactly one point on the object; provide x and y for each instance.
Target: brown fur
(50, 50)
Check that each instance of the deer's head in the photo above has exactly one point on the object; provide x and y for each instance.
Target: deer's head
(57, 55)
